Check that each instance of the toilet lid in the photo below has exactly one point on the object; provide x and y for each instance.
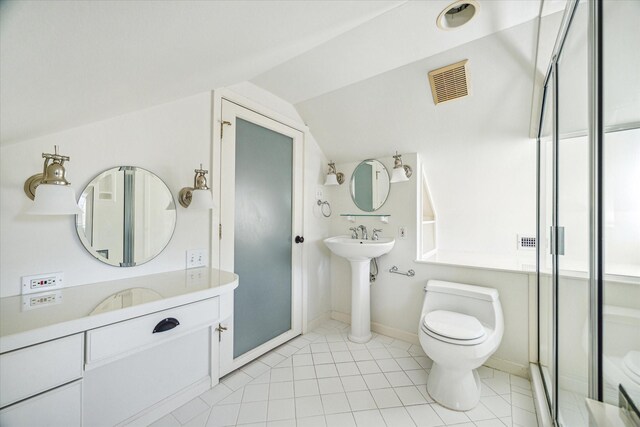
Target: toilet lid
(453, 325)
(632, 363)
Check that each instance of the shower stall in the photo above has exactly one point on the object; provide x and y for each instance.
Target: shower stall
(588, 220)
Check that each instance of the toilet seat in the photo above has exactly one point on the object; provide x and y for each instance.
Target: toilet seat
(453, 327)
(631, 366)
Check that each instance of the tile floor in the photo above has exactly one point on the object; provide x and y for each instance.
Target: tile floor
(323, 379)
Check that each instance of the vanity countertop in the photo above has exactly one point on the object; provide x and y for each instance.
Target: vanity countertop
(80, 308)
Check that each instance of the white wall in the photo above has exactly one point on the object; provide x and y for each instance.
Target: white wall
(170, 140)
(396, 300)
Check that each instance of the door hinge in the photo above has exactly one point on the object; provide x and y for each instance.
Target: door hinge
(219, 231)
(222, 124)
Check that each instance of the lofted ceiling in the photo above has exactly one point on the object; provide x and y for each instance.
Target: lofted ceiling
(64, 64)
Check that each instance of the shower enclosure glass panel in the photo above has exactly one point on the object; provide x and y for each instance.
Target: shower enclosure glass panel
(263, 213)
(621, 311)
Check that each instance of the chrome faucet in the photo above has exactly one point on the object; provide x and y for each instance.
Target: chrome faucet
(354, 232)
(375, 236)
(365, 235)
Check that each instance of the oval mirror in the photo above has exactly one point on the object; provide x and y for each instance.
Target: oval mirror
(128, 216)
(370, 185)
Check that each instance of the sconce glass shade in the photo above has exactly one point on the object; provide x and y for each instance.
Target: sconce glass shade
(201, 200)
(332, 179)
(399, 175)
(54, 199)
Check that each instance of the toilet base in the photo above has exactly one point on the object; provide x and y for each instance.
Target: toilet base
(453, 388)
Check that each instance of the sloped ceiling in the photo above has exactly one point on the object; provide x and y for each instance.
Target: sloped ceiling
(67, 63)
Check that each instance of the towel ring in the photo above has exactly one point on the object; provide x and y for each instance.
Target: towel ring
(322, 208)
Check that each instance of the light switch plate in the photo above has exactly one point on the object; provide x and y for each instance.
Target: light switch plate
(196, 258)
(402, 232)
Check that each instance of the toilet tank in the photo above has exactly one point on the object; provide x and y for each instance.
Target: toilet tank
(477, 301)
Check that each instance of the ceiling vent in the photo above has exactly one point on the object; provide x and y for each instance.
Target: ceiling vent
(450, 82)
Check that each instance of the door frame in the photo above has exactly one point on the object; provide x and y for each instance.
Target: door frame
(299, 275)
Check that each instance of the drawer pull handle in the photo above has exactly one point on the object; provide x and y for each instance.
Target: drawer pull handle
(166, 324)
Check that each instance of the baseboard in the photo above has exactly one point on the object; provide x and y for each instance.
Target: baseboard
(508, 367)
(539, 398)
(168, 405)
(499, 364)
(312, 324)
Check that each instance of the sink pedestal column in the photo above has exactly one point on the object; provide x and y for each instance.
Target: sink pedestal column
(360, 301)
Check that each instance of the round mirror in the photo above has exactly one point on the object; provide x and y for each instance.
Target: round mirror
(370, 185)
(128, 216)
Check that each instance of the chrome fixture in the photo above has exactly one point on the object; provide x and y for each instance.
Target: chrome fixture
(199, 196)
(354, 232)
(334, 177)
(365, 235)
(375, 236)
(395, 270)
(401, 173)
(54, 193)
(325, 212)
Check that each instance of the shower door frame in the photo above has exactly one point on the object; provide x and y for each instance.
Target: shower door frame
(596, 246)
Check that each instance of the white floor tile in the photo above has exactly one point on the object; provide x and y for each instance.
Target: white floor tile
(380, 353)
(353, 383)
(283, 390)
(524, 418)
(302, 359)
(507, 421)
(281, 374)
(215, 394)
(397, 417)
(166, 421)
(255, 393)
(385, 398)
(485, 372)
(264, 378)
(449, 416)
(371, 418)
(281, 409)
(520, 382)
(523, 402)
(396, 352)
(361, 400)
(236, 380)
(497, 406)
(408, 363)
(223, 415)
(326, 371)
(199, 420)
(375, 381)
(335, 403)
(359, 355)
(424, 416)
(235, 397)
(368, 367)
(342, 356)
(253, 412)
(272, 358)
(340, 420)
(338, 346)
(347, 368)
(282, 423)
(398, 379)
(304, 388)
(309, 406)
(423, 361)
(256, 368)
(410, 395)
(388, 365)
(418, 376)
(490, 423)
(322, 358)
(189, 410)
(303, 372)
(330, 385)
(499, 385)
(319, 347)
(317, 421)
(480, 412)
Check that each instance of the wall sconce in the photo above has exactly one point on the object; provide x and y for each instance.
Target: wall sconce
(401, 173)
(334, 177)
(54, 193)
(198, 197)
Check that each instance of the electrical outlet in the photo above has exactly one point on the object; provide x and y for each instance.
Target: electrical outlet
(319, 193)
(44, 299)
(402, 232)
(42, 282)
(196, 258)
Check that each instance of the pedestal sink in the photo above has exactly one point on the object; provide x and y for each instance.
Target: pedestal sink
(359, 253)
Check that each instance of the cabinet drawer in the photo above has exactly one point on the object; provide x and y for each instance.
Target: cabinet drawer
(124, 338)
(61, 407)
(38, 368)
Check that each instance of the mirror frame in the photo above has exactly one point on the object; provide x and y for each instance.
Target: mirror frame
(351, 185)
(95, 253)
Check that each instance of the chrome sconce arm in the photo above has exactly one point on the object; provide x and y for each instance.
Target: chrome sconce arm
(198, 195)
(400, 172)
(333, 176)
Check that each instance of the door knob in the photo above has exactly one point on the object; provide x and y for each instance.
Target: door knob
(299, 239)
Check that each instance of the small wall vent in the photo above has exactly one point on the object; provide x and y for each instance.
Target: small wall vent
(526, 242)
(450, 82)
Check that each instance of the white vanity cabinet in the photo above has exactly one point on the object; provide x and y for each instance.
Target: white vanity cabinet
(77, 364)
(41, 385)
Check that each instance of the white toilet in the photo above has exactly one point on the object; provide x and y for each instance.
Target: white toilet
(460, 327)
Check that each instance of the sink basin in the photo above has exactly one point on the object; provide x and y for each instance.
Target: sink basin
(359, 254)
(359, 250)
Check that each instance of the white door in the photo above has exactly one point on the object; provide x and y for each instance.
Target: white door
(261, 216)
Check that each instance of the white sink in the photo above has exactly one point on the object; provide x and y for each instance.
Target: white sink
(359, 254)
(359, 250)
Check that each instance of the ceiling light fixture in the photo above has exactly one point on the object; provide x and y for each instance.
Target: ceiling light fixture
(457, 14)
(50, 191)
